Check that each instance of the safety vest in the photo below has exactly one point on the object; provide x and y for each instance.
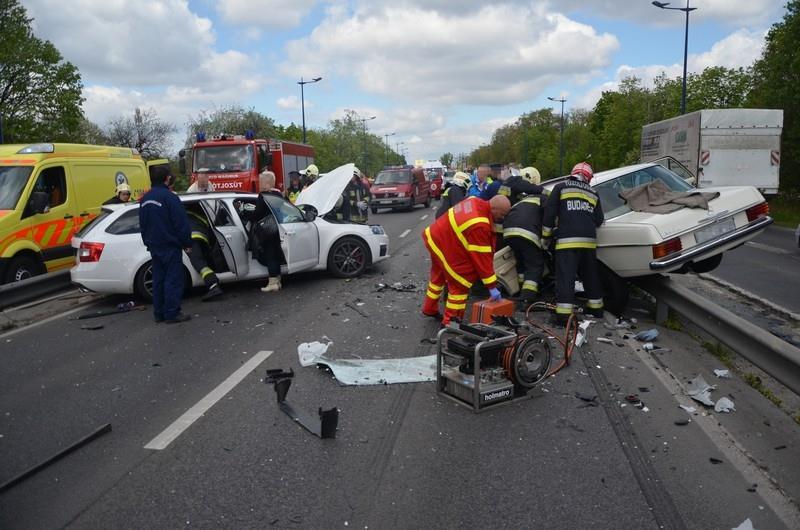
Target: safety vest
(575, 208)
(464, 243)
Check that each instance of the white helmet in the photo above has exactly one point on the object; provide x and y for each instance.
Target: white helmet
(531, 174)
(311, 170)
(461, 179)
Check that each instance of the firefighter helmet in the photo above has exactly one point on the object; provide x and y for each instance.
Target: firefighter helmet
(461, 179)
(531, 174)
(583, 170)
(123, 187)
(312, 170)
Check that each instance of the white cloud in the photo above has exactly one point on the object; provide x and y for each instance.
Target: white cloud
(739, 49)
(293, 103)
(264, 14)
(470, 58)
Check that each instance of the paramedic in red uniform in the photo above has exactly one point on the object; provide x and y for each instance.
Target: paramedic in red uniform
(461, 244)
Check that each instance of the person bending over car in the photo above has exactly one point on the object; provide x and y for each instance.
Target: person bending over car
(203, 243)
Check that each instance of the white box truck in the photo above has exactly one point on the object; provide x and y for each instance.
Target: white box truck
(721, 147)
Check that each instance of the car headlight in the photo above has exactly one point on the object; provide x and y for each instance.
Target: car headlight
(401, 194)
(377, 230)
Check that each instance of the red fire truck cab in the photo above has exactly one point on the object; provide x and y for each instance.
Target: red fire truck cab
(234, 162)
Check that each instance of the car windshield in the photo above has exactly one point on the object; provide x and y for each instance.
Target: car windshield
(221, 159)
(614, 205)
(12, 182)
(393, 177)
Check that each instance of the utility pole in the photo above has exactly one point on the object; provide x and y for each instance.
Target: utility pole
(303, 101)
(687, 10)
(561, 143)
(386, 141)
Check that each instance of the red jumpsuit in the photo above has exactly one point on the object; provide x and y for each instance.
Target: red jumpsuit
(461, 244)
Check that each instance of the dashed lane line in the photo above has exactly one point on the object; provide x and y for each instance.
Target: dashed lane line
(177, 427)
(405, 233)
(423, 217)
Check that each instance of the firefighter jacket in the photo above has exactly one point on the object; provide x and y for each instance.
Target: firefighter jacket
(464, 243)
(452, 195)
(201, 231)
(163, 221)
(514, 187)
(355, 193)
(292, 192)
(574, 208)
(525, 220)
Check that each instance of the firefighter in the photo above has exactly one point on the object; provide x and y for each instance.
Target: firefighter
(122, 195)
(461, 245)
(454, 192)
(295, 186)
(203, 242)
(572, 215)
(165, 231)
(310, 175)
(357, 198)
(522, 231)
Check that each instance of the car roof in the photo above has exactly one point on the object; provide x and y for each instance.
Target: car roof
(611, 174)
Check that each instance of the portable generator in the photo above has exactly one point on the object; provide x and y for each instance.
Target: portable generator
(482, 365)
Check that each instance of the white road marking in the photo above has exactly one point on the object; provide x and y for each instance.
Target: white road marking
(201, 407)
(46, 320)
(423, 217)
(405, 233)
(768, 248)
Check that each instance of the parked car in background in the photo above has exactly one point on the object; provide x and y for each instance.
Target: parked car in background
(111, 257)
(400, 187)
(633, 244)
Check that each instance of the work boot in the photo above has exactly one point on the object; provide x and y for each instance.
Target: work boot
(177, 319)
(213, 291)
(274, 284)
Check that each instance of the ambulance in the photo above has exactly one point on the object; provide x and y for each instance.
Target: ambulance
(48, 191)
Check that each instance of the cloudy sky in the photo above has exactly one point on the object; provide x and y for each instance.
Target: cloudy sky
(440, 74)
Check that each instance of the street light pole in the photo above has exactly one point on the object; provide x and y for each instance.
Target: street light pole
(386, 141)
(397, 147)
(687, 10)
(561, 143)
(303, 101)
(364, 154)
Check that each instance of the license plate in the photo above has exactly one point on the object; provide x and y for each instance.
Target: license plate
(385, 201)
(715, 230)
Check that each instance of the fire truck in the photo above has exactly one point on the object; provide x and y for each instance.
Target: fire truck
(233, 162)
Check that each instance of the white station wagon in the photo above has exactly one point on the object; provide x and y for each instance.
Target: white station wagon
(111, 257)
(633, 244)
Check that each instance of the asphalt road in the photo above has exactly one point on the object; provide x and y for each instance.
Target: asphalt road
(767, 266)
(403, 456)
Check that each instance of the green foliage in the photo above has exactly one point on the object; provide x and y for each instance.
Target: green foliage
(720, 352)
(233, 119)
(673, 321)
(446, 159)
(754, 381)
(143, 131)
(784, 208)
(775, 81)
(40, 93)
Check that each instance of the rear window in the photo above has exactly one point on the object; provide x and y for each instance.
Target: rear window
(393, 177)
(614, 205)
(91, 224)
(128, 223)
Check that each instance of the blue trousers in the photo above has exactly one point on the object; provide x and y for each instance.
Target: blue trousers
(167, 283)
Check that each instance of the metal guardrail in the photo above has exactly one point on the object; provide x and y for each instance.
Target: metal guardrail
(776, 357)
(18, 293)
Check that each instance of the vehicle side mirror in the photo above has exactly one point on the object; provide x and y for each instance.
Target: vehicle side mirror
(310, 215)
(40, 200)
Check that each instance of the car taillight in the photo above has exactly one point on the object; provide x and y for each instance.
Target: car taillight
(89, 252)
(667, 247)
(757, 211)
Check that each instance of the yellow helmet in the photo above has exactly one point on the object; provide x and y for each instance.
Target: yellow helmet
(123, 187)
(531, 174)
(461, 179)
(312, 170)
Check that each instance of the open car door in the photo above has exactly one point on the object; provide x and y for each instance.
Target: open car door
(230, 238)
(299, 237)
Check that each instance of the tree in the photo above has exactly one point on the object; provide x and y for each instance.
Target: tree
(143, 131)
(776, 76)
(232, 119)
(446, 159)
(40, 93)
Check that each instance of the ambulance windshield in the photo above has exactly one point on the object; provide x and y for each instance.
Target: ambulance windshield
(223, 159)
(12, 182)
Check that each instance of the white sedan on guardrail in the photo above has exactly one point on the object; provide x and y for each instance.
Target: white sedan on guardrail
(634, 244)
(111, 257)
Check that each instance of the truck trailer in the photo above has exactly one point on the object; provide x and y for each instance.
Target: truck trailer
(721, 147)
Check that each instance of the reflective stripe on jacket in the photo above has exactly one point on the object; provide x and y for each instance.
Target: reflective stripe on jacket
(574, 207)
(525, 220)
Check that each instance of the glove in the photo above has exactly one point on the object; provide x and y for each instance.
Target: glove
(494, 294)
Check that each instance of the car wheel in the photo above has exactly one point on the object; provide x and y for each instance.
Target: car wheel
(615, 290)
(411, 203)
(22, 268)
(348, 258)
(374, 210)
(143, 283)
(708, 264)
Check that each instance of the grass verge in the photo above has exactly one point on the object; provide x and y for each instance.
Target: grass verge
(785, 209)
(754, 381)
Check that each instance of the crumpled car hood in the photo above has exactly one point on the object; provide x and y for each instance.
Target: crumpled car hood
(327, 189)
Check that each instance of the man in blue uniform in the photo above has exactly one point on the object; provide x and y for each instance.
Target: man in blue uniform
(165, 232)
(572, 215)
